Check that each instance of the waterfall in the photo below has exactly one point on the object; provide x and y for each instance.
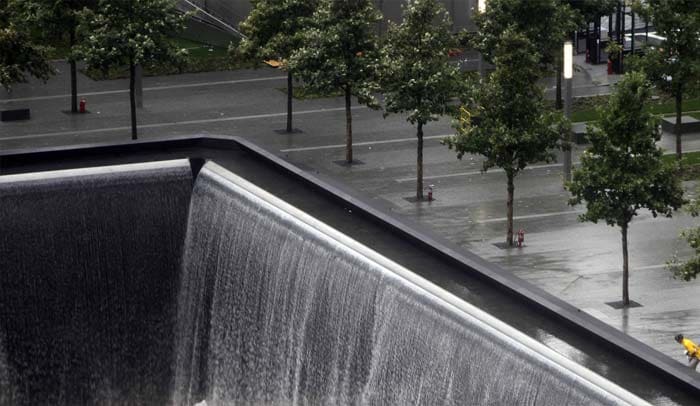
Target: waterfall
(127, 285)
(89, 264)
(275, 310)
(6, 389)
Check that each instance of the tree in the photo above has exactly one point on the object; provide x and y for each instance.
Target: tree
(273, 30)
(546, 23)
(19, 55)
(418, 77)
(674, 66)
(54, 18)
(623, 171)
(130, 32)
(592, 9)
(339, 52)
(515, 128)
(690, 268)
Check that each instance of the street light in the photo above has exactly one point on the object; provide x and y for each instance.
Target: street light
(481, 8)
(568, 60)
(568, 76)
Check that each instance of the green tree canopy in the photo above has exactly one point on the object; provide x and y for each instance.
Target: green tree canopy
(273, 27)
(418, 77)
(515, 128)
(546, 23)
(53, 19)
(273, 31)
(20, 56)
(129, 32)
(674, 67)
(339, 52)
(592, 9)
(622, 171)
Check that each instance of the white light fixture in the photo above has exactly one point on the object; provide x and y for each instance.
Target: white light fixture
(568, 60)
(481, 6)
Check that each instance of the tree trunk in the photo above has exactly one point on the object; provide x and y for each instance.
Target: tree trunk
(625, 268)
(138, 85)
(509, 205)
(348, 126)
(419, 163)
(596, 27)
(290, 94)
(679, 123)
(132, 97)
(559, 103)
(73, 76)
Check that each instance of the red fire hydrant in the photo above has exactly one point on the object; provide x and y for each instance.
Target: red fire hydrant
(588, 56)
(83, 102)
(610, 67)
(430, 193)
(521, 238)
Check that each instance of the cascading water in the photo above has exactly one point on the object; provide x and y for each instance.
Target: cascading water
(273, 307)
(273, 310)
(6, 390)
(89, 265)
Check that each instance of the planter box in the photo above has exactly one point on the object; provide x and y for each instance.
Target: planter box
(688, 124)
(579, 130)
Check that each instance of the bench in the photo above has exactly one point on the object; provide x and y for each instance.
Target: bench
(14, 115)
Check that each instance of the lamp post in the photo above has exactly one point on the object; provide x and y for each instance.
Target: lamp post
(568, 89)
(481, 8)
(634, 31)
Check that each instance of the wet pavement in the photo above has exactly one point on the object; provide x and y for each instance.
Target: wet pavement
(578, 262)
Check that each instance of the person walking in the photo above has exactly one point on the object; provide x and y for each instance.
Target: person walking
(691, 350)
